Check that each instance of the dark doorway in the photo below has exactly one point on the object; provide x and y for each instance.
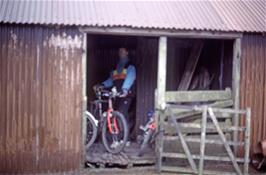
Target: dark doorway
(102, 58)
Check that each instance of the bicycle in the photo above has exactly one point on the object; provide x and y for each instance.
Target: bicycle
(113, 123)
(149, 134)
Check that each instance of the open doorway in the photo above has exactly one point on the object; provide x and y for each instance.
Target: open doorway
(102, 57)
(213, 67)
(215, 59)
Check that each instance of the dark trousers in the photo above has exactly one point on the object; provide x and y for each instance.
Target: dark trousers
(123, 105)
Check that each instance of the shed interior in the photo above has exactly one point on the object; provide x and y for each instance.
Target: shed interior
(214, 64)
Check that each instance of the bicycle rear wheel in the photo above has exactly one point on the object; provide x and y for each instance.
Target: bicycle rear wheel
(115, 142)
(145, 143)
(91, 130)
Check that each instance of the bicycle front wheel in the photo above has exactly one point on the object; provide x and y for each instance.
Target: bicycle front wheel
(91, 132)
(115, 132)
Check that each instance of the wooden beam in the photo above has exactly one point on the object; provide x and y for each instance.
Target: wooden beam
(207, 141)
(181, 112)
(159, 141)
(160, 97)
(197, 96)
(247, 141)
(200, 108)
(196, 128)
(84, 107)
(184, 145)
(161, 76)
(191, 65)
(194, 156)
(161, 32)
(236, 81)
(202, 140)
(182, 170)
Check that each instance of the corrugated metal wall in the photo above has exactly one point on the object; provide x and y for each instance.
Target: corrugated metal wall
(253, 84)
(41, 99)
(147, 61)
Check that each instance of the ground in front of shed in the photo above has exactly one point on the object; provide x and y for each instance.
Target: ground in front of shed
(147, 170)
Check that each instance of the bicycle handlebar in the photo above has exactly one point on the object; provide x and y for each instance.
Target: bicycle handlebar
(108, 93)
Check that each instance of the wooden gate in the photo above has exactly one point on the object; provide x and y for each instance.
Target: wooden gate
(212, 118)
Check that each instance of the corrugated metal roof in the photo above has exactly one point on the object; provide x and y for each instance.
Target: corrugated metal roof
(235, 15)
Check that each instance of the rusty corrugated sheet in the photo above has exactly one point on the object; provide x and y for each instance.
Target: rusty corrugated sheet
(147, 61)
(236, 15)
(253, 84)
(41, 99)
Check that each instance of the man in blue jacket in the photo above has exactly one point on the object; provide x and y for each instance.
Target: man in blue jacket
(123, 78)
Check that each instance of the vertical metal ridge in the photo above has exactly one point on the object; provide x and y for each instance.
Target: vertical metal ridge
(253, 93)
(39, 100)
(180, 15)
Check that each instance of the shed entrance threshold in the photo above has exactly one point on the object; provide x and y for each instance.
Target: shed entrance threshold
(97, 156)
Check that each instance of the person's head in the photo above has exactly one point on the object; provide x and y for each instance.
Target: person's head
(123, 54)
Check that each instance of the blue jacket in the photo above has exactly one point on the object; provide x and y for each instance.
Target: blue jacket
(128, 82)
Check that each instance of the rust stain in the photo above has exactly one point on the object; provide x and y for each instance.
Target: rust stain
(253, 85)
(39, 85)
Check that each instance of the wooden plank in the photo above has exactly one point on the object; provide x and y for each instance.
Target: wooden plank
(184, 145)
(159, 142)
(198, 96)
(157, 32)
(197, 157)
(196, 128)
(230, 111)
(226, 145)
(202, 142)
(191, 65)
(197, 140)
(160, 95)
(247, 141)
(161, 76)
(186, 171)
(199, 108)
(236, 81)
(182, 113)
(196, 117)
(84, 87)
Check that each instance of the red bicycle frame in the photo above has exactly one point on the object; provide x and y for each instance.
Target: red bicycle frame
(113, 128)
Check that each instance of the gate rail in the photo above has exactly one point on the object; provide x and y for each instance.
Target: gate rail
(211, 113)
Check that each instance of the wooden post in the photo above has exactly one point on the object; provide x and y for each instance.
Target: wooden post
(247, 141)
(161, 76)
(202, 141)
(160, 97)
(236, 83)
(84, 107)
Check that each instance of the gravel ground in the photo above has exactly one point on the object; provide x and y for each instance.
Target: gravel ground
(147, 170)
(136, 171)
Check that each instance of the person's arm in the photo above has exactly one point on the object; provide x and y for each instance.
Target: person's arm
(130, 78)
(109, 82)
